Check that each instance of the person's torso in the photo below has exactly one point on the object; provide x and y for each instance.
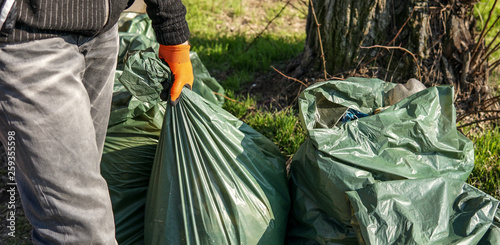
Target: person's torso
(37, 19)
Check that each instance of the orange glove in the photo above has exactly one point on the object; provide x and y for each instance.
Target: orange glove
(177, 58)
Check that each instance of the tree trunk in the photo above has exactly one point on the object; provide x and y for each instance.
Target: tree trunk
(396, 40)
(345, 26)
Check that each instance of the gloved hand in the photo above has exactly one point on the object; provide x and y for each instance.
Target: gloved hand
(177, 58)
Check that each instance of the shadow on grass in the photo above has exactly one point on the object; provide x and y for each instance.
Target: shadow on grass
(235, 60)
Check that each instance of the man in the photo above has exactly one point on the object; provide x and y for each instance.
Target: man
(57, 63)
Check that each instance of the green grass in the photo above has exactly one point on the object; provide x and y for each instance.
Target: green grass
(280, 126)
(486, 173)
(239, 106)
(481, 12)
(234, 62)
(224, 34)
(212, 18)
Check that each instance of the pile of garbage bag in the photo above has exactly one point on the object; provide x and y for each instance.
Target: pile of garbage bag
(382, 163)
(396, 177)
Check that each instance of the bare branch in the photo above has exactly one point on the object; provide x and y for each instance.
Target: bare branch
(483, 32)
(233, 100)
(474, 112)
(400, 48)
(492, 25)
(319, 38)
(491, 101)
(491, 50)
(265, 29)
(288, 77)
(495, 64)
(401, 29)
(478, 121)
(298, 9)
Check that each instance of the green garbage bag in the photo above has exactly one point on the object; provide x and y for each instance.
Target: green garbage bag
(128, 156)
(136, 23)
(135, 33)
(415, 138)
(132, 137)
(244, 197)
(422, 211)
(215, 180)
(492, 236)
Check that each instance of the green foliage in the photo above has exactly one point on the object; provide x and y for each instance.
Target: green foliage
(225, 34)
(204, 16)
(237, 78)
(486, 173)
(282, 127)
(212, 18)
(238, 106)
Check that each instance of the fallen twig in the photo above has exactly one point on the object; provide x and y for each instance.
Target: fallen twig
(491, 101)
(288, 77)
(228, 98)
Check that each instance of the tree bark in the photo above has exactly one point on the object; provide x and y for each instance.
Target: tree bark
(345, 25)
(349, 28)
(396, 40)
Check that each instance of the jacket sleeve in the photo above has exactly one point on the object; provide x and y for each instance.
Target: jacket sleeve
(169, 21)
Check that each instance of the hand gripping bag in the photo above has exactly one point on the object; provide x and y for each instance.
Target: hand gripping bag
(132, 136)
(136, 34)
(214, 180)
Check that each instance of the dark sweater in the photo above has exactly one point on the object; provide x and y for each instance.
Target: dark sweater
(39, 19)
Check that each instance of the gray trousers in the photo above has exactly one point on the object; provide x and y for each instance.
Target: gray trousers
(55, 94)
